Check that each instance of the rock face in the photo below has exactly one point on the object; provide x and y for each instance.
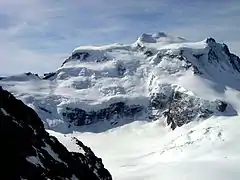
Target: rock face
(79, 117)
(29, 152)
(180, 108)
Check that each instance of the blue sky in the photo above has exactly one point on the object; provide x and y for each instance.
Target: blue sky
(36, 35)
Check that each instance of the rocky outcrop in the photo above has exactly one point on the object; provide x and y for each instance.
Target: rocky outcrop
(113, 113)
(29, 152)
(77, 56)
(49, 76)
(180, 108)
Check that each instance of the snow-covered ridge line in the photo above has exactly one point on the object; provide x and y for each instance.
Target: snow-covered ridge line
(142, 80)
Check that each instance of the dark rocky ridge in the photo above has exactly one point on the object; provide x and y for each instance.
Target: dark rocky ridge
(29, 152)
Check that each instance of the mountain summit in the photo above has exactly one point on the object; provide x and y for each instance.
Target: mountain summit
(158, 37)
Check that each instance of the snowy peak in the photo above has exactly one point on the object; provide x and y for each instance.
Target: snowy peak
(160, 43)
(221, 53)
(213, 59)
(159, 34)
(158, 37)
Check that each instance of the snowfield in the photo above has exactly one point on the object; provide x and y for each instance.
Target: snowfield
(105, 96)
(142, 150)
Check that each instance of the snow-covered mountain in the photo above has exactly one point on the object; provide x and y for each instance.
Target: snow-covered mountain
(158, 75)
(124, 100)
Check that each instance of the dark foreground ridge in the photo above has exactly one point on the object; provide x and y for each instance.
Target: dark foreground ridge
(29, 152)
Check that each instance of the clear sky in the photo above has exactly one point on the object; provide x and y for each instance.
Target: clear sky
(36, 35)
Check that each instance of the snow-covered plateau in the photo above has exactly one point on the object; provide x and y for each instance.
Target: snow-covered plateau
(161, 108)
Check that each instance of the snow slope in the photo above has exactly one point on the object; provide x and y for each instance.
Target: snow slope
(206, 150)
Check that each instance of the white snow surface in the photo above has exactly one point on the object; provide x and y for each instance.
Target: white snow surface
(142, 150)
